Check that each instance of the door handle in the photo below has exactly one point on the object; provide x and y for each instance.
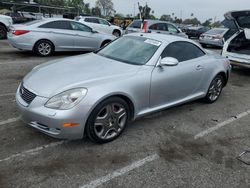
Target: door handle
(199, 67)
(158, 32)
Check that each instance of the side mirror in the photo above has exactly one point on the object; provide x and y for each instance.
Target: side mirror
(94, 31)
(169, 61)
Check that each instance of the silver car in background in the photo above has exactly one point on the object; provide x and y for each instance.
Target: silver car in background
(154, 26)
(215, 37)
(56, 34)
(135, 75)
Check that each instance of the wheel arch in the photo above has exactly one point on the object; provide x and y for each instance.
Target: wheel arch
(117, 30)
(123, 96)
(225, 77)
(2, 24)
(5, 30)
(41, 40)
(106, 41)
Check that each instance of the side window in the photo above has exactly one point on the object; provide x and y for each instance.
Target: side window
(57, 25)
(80, 27)
(172, 29)
(182, 51)
(103, 22)
(154, 27)
(159, 26)
(91, 20)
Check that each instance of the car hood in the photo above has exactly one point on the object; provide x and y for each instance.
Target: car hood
(241, 18)
(87, 70)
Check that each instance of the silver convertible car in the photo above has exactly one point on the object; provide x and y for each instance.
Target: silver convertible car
(97, 94)
(56, 34)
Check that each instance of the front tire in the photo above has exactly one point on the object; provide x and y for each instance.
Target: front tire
(44, 48)
(214, 89)
(108, 120)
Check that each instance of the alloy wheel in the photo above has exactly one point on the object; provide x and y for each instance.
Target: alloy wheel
(215, 89)
(44, 48)
(110, 121)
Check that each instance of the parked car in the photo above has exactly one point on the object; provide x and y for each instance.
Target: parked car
(155, 26)
(18, 17)
(98, 93)
(195, 32)
(215, 37)
(100, 25)
(5, 23)
(56, 34)
(237, 48)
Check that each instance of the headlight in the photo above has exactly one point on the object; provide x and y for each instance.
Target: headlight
(67, 99)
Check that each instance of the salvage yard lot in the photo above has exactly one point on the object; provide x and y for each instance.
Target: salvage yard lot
(159, 150)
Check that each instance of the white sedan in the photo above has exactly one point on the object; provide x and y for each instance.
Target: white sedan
(100, 25)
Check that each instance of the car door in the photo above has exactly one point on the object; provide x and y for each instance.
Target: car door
(159, 28)
(84, 38)
(93, 23)
(60, 33)
(173, 84)
(172, 30)
(105, 26)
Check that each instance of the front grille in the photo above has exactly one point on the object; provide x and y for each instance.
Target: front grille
(26, 95)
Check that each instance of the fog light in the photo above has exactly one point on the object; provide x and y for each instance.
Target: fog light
(71, 124)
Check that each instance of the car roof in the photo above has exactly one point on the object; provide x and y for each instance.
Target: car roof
(92, 17)
(57, 19)
(155, 21)
(161, 37)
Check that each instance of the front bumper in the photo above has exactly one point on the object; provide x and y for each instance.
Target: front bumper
(50, 121)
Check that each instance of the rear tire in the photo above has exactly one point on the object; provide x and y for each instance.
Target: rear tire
(108, 120)
(3, 32)
(214, 89)
(44, 48)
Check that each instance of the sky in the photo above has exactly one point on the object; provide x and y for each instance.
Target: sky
(202, 9)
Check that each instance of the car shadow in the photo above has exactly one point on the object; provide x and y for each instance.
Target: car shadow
(242, 71)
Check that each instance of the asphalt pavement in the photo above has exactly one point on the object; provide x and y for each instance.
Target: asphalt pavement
(192, 145)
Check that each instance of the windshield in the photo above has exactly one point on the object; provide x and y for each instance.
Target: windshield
(132, 50)
(243, 21)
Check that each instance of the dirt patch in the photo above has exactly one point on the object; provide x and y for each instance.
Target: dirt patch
(183, 147)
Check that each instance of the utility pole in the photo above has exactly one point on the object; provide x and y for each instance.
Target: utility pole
(134, 10)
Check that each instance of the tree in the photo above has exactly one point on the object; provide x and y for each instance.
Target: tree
(216, 24)
(77, 4)
(208, 22)
(106, 6)
(145, 12)
(193, 21)
(51, 3)
(165, 17)
(87, 8)
(96, 12)
(177, 20)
